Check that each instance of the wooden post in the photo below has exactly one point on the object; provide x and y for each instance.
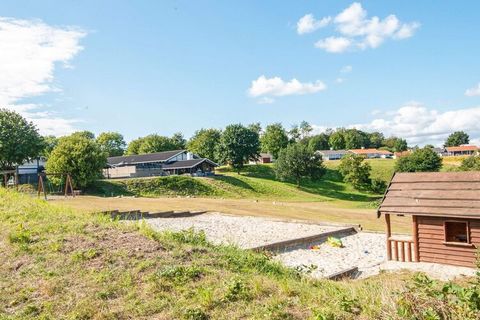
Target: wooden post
(41, 186)
(416, 249)
(395, 247)
(403, 250)
(409, 251)
(388, 234)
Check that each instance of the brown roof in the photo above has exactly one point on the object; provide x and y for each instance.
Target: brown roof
(447, 194)
(371, 150)
(462, 148)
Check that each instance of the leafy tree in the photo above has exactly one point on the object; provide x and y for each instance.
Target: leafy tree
(296, 162)
(424, 159)
(134, 146)
(256, 126)
(19, 140)
(294, 134)
(49, 143)
(318, 142)
(81, 157)
(355, 171)
(274, 139)
(395, 144)
(305, 129)
(238, 145)
(337, 140)
(112, 143)
(471, 163)
(457, 138)
(204, 143)
(84, 134)
(178, 141)
(156, 143)
(375, 139)
(355, 139)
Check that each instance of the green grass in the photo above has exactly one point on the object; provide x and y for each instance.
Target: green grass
(57, 263)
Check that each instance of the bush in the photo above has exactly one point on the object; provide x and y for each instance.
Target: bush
(471, 163)
(355, 171)
(297, 161)
(421, 160)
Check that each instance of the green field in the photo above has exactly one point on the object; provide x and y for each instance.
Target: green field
(59, 263)
(254, 182)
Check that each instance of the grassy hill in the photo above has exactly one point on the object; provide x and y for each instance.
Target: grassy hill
(57, 263)
(254, 182)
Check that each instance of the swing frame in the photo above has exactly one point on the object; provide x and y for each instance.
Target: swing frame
(9, 173)
(68, 184)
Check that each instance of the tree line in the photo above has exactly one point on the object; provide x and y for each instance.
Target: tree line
(84, 155)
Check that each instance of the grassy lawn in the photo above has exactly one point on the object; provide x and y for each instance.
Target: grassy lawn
(61, 263)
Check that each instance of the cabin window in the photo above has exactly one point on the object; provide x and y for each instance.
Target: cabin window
(456, 231)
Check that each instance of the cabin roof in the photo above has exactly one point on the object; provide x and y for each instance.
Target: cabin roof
(142, 158)
(441, 194)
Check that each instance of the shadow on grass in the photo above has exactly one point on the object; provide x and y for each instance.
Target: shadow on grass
(234, 182)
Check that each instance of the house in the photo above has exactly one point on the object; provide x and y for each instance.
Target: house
(372, 153)
(158, 164)
(264, 158)
(445, 212)
(440, 151)
(332, 154)
(463, 150)
(28, 172)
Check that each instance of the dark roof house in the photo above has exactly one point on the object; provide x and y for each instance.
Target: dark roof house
(445, 211)
(159, 163)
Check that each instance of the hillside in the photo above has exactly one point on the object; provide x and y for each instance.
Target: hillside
(60, 263)
(254, 182)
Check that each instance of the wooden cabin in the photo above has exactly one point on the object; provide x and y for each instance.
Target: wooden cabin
(445, 212)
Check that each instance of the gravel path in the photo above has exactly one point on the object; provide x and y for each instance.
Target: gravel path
(363, 250)
(243, 231)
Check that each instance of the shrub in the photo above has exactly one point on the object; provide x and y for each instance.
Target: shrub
(471, 163)
(355, 171)
(420, 160)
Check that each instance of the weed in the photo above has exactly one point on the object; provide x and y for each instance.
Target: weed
(195, 314)
(181, 274)
(237, 289)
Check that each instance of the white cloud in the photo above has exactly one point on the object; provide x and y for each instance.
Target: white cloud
(334, 44)
(276, 86)
(29, 52)
(475, 91)
(266, 100)
(346, 69)
(420, 125)
(339, 80)
(308, 24)
(358, 31)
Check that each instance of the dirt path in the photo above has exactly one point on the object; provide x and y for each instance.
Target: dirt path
(313, 211)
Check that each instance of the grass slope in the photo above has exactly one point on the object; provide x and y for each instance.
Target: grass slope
(57, 263)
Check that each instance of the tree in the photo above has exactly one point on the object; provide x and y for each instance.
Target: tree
(294, 133)
(49, 143)
(134, 146)
(355, 139)
(375, 139)
(204, 143)
(178, 141)
(355, 171)
(274, 139)
(395, 144)
(156, 143)
(19, 140)
(420, 160)
(457, 138)
(85, 134)
(305, 129)
(296, 162)
(337, 140)
(112, 143)
(318, 142)
(238, 145)
(79, 156)
(471, 163)
(256, 126)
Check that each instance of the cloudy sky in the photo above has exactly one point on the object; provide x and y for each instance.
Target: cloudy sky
(139, 67)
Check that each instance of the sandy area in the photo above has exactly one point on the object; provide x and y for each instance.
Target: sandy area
(245, 232)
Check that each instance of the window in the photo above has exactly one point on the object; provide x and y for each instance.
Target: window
(456, 231)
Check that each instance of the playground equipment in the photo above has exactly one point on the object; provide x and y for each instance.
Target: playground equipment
(55, 183)
(10, 178)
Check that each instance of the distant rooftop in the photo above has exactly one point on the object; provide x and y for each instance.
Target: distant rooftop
(141, 158)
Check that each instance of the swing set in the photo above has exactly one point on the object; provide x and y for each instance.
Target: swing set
(10, 178)
(55, 184)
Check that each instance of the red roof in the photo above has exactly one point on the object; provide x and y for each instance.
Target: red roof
(372, 150)
(462, 148)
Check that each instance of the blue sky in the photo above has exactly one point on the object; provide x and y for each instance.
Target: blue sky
(141, 67)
